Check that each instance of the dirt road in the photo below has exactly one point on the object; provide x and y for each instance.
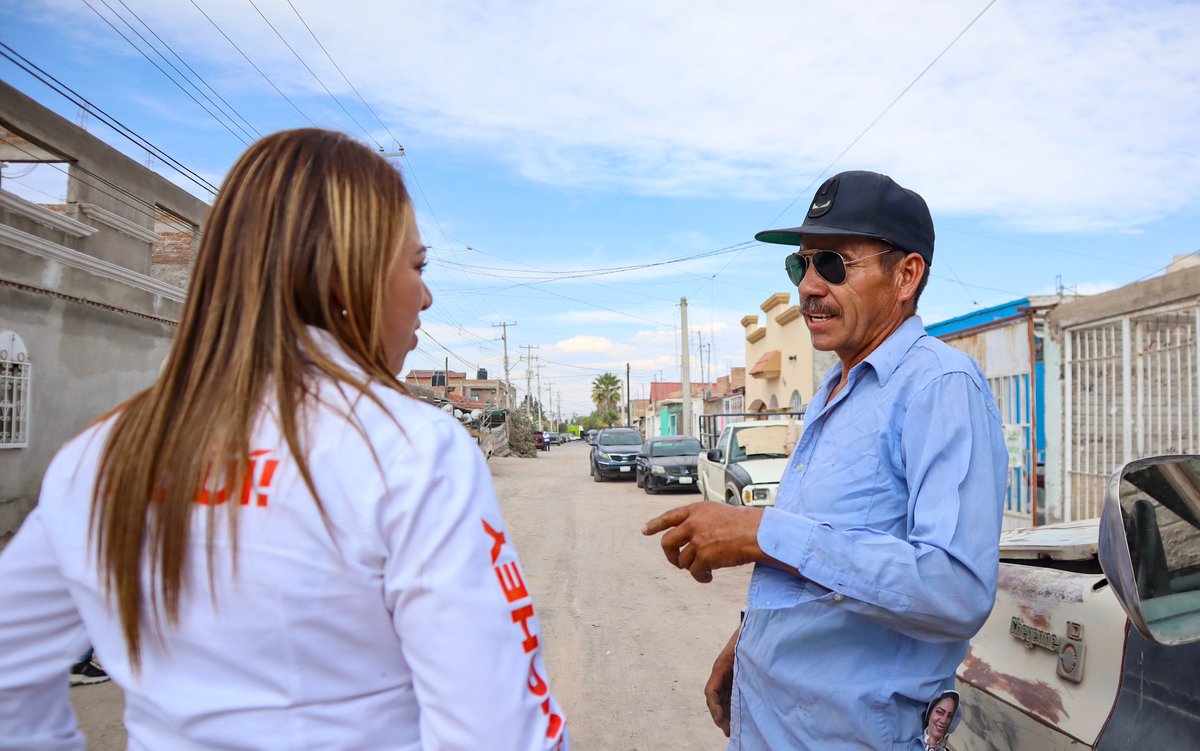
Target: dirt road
(629, 641)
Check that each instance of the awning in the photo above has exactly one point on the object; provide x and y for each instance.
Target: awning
(767, 365)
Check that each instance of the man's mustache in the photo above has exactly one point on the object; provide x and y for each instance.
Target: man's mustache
(815, 306)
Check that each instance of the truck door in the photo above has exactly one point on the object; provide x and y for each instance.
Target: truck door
(714, 472)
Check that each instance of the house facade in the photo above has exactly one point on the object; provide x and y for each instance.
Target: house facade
(1008, 342)
(91, 288)
(779, 358)
(447, 384)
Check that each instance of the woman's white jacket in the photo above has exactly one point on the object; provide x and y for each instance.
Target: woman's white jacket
(400, 621)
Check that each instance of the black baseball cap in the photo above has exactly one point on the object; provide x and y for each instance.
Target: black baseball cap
(864, 204)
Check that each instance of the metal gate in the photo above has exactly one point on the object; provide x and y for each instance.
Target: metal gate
(1132, 389)
(1014, 400)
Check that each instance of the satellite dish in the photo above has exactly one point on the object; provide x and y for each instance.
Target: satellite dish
(448, 408)
(458, 413)
(476, 414)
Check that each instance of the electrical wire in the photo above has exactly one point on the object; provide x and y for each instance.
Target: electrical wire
(193, 71)
(343, 75)
(316, 78)
(805, 192)
(80, 101)
(154, 215)
(247, 59)
(168, 76)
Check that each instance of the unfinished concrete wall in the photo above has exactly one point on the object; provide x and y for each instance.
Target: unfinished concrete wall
(76, 284)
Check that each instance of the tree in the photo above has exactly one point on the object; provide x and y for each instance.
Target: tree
(606, 392)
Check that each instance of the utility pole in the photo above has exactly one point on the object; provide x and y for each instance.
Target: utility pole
(559, 422)
(504, 338)
(446, 380)
(628, 399)
(685, 386)
(540, 410)
(528, 387)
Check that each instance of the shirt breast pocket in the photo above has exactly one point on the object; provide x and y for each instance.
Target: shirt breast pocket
(842, 479)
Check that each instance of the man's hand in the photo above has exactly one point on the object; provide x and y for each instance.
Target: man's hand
(706, 536)
(718, 692)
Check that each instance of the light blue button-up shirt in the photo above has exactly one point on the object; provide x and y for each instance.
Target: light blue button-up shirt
(890, 508)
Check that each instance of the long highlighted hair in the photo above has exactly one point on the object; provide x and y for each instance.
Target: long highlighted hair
(304, 232)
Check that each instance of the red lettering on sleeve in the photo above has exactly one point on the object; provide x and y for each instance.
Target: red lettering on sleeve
(497, 539)
(511, 581)
(555, 726)
(537, 685)
(522, 616)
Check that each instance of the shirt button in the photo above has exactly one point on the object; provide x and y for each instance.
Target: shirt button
(839, 597)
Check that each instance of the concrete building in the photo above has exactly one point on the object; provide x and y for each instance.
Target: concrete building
(488, 391)
(88, 306)
(779, 358)
(664, 415)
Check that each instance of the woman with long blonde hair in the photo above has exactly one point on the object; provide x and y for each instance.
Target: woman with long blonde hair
(275, 546)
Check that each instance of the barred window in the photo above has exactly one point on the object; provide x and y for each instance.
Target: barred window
(15, 371)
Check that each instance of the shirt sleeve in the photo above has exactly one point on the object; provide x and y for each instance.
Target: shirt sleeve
(41, 635)
(460, 605)
(939, 584)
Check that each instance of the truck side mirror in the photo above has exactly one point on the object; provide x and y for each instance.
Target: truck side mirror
(1150, 545)
(714, 455)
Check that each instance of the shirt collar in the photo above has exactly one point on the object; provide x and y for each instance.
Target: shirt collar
(886, 357)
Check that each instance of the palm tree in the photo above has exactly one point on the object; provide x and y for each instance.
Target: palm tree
(606, 392)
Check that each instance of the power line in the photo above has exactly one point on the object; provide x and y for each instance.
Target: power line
(411, 169)
(1163, 268)
(886, 110)
(603, 270)
(188, 228)
(168, 76)
(80, 101)
(449, 351)
(314, 75)
(343, 75)
(193, 71)
(247, 59)
(804, 193)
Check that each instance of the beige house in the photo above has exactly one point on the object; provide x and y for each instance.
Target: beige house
(779, 358)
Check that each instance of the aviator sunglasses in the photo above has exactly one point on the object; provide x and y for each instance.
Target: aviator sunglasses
(829, 264)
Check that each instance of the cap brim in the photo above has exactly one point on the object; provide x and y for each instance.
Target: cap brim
(795, 235)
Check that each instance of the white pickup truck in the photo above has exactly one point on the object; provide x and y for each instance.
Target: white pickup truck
(745, 466)
(1094, 641)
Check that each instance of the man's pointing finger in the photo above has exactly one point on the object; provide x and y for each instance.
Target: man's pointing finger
(672, 518)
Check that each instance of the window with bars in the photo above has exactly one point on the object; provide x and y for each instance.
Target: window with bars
(15, 371)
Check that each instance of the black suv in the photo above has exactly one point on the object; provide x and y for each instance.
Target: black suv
(614, 453)
(667, 461)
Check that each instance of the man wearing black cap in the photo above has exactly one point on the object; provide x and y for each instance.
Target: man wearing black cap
(879, 560)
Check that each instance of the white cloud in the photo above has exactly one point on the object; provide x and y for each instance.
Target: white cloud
(1046, 117)
(584, 344)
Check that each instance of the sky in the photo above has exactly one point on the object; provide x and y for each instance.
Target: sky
(579, 168)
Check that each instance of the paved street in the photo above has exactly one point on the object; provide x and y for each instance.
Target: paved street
(628, 640)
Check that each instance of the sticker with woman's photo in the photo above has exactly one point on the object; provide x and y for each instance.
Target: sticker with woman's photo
(937, 719)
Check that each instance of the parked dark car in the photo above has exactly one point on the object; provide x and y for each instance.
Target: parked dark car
(539, 441)
(667, 461)
(614, 453)
(590, 436)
